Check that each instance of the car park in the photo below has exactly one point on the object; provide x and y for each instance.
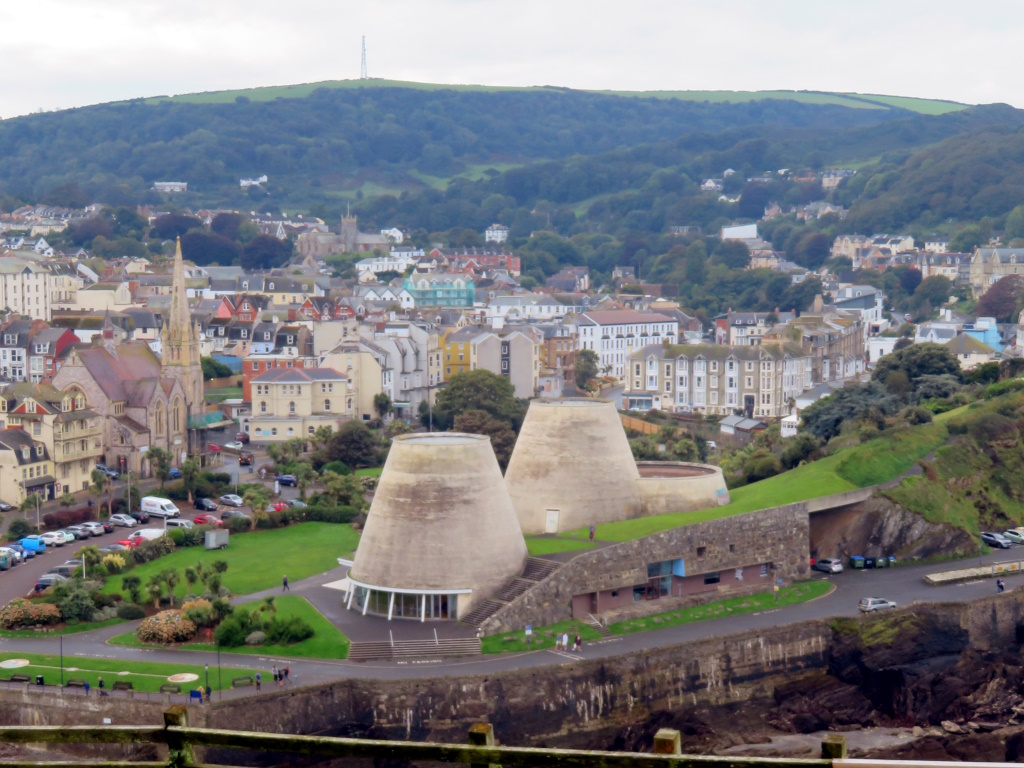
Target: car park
(47, 580)
(227, 514)
(94, 528)
(230, 500)
(207, 505)
(869, 604)
(1015, 535)
(123, 521)
(53, 539)
(206, 520)
(286, 480)
(996, 540)
(828, 565)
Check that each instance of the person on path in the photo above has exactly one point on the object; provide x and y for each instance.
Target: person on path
(1000, 585)
(286, 674)
(274, 669)
(259, 679)
(100, 684)
(86, 687)
(284, 583)
(209, 691)
(565, 641)
(593, 530)
(579, 644)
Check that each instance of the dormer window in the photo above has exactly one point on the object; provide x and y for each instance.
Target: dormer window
(10, 338)
(25, 453)
(266, 335)
(39, 450)
(245, 333)
(271, 286)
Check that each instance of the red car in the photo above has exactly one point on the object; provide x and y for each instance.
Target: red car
(130, 543)
(206, 520)
(278, 506)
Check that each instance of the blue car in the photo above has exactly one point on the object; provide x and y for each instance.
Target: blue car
(34, 543)
(174, 473)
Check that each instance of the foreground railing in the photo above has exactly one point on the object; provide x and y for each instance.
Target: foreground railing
(181, 740)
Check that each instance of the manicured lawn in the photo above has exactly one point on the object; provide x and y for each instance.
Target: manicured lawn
(72, 629)
(370, 472)
(220, 395)
(870, 463)
(544, 637)
(143, 676)
(257, 560)
(327, 643)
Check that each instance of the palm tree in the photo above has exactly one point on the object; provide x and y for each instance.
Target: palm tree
(267, 609)
(131, 584)
(190, 476)
(191, 577)
(91, 554)
(304, 478)
(213, 584)
(171, 579)
(155, 589)
(100, 481)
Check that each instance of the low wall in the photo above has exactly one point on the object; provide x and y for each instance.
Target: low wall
(779, 536)
(696, 486)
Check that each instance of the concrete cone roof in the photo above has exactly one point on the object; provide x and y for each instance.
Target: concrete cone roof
(441, 519)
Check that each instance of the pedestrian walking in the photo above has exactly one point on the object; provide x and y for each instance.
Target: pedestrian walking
(274, 671)
(284, 583)
(565, 641)
(593, 530)
(579, 644)
(259, 679)
(209, 691)
(286, 674)
(86, 687)
(1000, 585)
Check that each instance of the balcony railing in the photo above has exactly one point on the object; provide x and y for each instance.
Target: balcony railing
(180, 740)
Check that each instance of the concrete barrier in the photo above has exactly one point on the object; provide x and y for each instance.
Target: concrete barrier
(990, 571)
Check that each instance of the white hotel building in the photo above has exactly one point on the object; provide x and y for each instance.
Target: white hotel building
(615, 334)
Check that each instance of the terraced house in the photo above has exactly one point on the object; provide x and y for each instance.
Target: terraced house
(718, 380)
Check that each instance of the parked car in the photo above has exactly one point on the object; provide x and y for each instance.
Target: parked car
(868, 604)
(234, 446)
(206, 520)
(115, 547)
(96, 529)
(53, 539)
(174, 473)
(297, 504)
(1015, 535)
(108, 472)
(179, 524)
(80, 531)
(230, 500)
(130, 543)
(159, 507)
(33, 542)
(245, 459)
(139, 515)
(207, 505)
(242, 437)
(286, 479)
(828, 565)
(123, 521)
(47, 580)
(66, 570)
(5, 507)
(227, 514)
(25, 552)
(108, 526)
(277, 506)
(996, 540)
(12, 554)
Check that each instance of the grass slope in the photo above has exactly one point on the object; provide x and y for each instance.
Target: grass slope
(871, 463)
(298, 91)
(143, 676)
(327, 643)
(257, 561)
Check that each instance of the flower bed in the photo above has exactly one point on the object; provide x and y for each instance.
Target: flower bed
(166, 627)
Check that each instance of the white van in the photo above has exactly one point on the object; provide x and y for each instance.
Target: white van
(158, 507)
(147, 534)
(179, 524)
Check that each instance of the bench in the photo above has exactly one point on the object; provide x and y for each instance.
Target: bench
(193, 695)
(75, 682)
(123, 685)
(238, 682)
(19, 679)
(170, 688)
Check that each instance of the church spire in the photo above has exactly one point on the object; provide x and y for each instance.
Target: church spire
(180, 354)
(179, 324)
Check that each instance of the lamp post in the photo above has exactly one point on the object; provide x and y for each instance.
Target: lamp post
(207, 675)
(220, 686)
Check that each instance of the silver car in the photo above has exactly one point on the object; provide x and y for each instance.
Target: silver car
(124, 521)
(231, 500)
(868, 604)
(94, 528)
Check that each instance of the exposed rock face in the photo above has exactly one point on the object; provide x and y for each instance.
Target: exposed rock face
(879, 527)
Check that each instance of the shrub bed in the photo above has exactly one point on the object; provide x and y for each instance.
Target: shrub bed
(22, 613)
(166, 627)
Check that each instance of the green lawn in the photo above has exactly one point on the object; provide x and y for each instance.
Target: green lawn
(327, 643)
(222, 394)
(544, 637)
(257, 560)
(870, 463)
(370, 472)
(143, 676)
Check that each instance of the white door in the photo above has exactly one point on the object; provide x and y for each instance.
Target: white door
(551, 521)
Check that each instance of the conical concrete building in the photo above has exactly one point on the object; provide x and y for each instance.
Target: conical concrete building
(572, 467)
(441, 533)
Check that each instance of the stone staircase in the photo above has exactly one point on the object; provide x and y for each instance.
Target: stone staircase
(535, 571)
(596, 625)
(409, 649)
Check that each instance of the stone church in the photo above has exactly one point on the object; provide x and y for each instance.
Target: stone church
(144, 401)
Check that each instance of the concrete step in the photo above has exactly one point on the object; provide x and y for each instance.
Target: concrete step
(596, 625)
(538, 569)
(404, 649)
(482, 612)
(514, 589)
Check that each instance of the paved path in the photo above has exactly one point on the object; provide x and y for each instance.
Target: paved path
(904, 585)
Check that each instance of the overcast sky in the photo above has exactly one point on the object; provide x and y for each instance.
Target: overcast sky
(64, 53)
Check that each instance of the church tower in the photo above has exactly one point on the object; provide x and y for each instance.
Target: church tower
(180, 341)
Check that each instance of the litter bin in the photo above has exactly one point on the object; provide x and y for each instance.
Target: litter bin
(856, 561)
(869, 562)
(39, 680)
(881, 562)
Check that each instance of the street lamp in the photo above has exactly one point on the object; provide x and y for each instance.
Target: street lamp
(207, 676)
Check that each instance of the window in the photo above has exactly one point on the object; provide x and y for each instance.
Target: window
(263, 407)
(311, 430)
(327, 405)
(273, 431)
(712, 578)
(37, 428)
(291, 408)
(701, 551)
(255, 365)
